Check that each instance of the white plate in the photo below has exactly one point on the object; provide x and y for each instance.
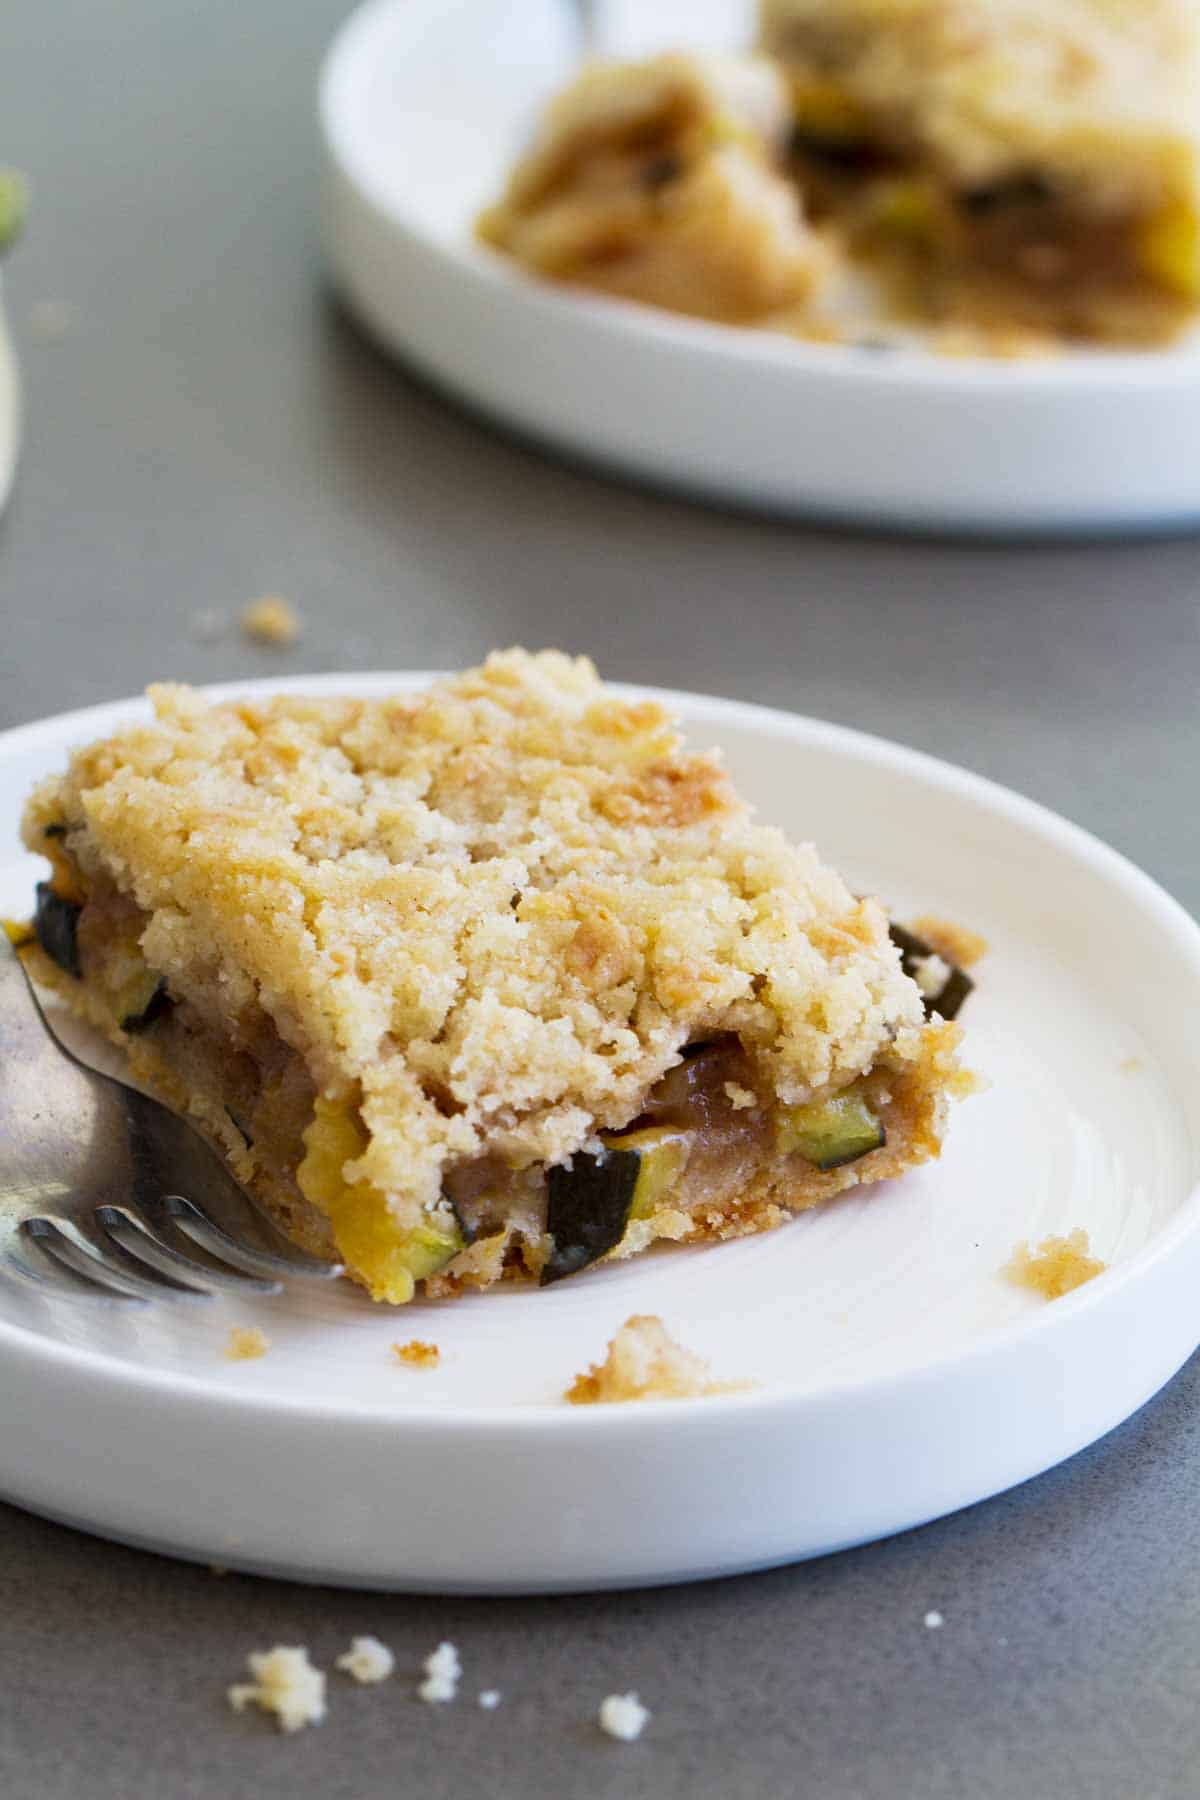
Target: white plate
(901, 1377)
(423, 106)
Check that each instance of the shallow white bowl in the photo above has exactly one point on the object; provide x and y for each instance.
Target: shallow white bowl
(900, 1375)
(422, 108)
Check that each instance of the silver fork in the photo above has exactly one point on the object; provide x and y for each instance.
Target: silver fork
(105, 1193)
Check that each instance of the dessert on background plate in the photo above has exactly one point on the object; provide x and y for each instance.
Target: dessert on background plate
(664, 182)
(491, 979)
(1014, 173)
(1012, 162)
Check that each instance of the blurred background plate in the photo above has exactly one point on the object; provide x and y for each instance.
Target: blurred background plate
(424, 105)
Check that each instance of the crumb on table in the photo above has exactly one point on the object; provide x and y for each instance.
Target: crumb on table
(443, 1671)
(285, 1683)
(644, 1362)
(623, 1716)
(1058, 1265)
(367, 1660)
(246, 1342)
(489, 1699)
(954, 942)
(417, 1354)
(271, 620)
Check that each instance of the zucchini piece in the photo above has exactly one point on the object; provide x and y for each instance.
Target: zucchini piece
(591, 1202)
(913, 952)
(830, 1133)
(56, 921)
(364, 1230)
(142, 1002)
(430, 1247)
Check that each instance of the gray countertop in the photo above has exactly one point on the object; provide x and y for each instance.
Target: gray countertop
(203, 427)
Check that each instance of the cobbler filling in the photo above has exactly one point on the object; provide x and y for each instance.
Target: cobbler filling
(706, 1135)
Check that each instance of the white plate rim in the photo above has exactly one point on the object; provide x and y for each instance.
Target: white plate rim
(534, 1418)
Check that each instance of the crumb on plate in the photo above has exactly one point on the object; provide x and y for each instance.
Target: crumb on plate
(367, 1660)
(644, 1362)
(442, 1673)
(285, 1683)
(417, 1354)
(1130, 1065)
(246, 1342)
(957, 943)
(271, 620)
(1058, 1265)
(623, 1716)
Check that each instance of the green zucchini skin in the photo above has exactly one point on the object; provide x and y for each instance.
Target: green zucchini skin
(831, 1133)
(56, 923)
(588, 1208)
(958, 984)
(159, 1003)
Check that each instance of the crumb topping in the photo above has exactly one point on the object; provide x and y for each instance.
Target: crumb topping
(417, 1355)
(367, 1660)
(489, 915)
(271, 620)
(284, 1683)
(623, 1716)
(443, 1672)
(1056, 1267)
(644, 1362)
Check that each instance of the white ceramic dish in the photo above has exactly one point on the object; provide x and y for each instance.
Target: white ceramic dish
(901, 1377)
(423, 106)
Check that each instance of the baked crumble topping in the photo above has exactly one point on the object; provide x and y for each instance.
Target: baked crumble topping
(1056, 1266)
(644, 1362)
(437, 969)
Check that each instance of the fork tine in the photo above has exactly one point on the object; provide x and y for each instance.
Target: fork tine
(60, 1283)
(63, 1243)
(127, 1231)
(210, 1236)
